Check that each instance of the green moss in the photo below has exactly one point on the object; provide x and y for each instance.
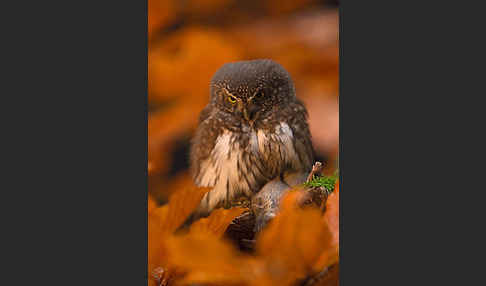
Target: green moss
(327, 182)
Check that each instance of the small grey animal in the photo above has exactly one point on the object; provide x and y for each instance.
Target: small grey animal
(253, 131)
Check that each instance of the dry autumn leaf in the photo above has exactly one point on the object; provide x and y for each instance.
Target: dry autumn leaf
(297, 244)
(217, 223)
(183, 64)
(160, 13)
(278, 7)
(181, 204)
(163, 129)
(156, 246)
(293, 242)
(331, 220)
(151, 204)
(332, 214)
(163, 221)
(328, 277)
(205, 7)
(206, 259)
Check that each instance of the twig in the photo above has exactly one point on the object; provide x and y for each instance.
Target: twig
(317, 168)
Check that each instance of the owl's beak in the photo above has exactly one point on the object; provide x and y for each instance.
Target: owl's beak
(250, 112)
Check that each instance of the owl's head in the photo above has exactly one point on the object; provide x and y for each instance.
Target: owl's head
(249, 90)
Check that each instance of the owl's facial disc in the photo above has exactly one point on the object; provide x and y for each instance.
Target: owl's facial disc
(249, 110)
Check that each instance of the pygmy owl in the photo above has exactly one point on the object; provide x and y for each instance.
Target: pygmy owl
(253, 131)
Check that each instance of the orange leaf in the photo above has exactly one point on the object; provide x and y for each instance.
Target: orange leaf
(151, 204)
(156, 247)
(331, 221)
(332, 214)
(293, 241)
(159, 14)
(331, 278)
(192, 55)
(181, 204)
(164, 128)
(206, 259)
(217, 222)
(164, 220)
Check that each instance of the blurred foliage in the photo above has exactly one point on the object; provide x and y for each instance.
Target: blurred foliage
(298, 245)
(188, 41)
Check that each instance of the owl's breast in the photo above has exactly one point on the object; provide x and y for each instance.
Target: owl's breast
(277, 149)
(235, 163)
(242, 162)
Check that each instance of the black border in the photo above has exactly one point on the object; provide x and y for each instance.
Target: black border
(405, 77)
(75, 193)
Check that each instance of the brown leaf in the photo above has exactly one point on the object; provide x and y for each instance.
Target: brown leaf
(164, 127)
(160, 13)
(217, 222)
(277, 7)
(206, 259)
(332, 214)
(181, 204)
(163, 221)
(328, 277)
(331, 221)
(156, 246)
(203, 7)
(183, 64)
(151, 204)
(293, 241)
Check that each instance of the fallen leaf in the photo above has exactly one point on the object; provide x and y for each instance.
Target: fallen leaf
(182, 64)
(181, 204)
(293, 241)
(217, 222)
(331, 221)
(160, 13)
(151, 204)
(206, 259)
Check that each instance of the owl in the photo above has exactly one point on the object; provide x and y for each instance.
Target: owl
(253, 131)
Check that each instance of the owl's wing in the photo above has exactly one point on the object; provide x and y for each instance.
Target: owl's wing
(302, 136)
(205, 113)
(203, 143)
(203, 140)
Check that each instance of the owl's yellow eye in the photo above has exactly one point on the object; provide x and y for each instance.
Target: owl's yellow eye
(231, 99)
